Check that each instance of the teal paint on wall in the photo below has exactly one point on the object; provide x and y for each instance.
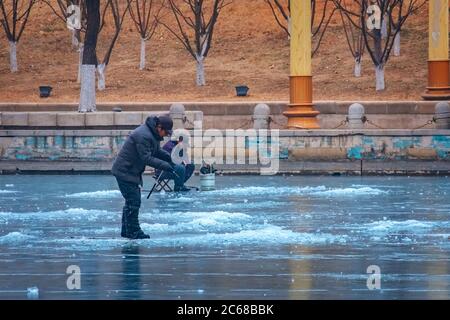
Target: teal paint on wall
(21, 156)
(441, 141)
(355, 153)
(405, 142)
(442, 146)
(368, 141)
(59, 141)
(30, 142)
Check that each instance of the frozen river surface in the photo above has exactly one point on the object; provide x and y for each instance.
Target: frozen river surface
(252, 238)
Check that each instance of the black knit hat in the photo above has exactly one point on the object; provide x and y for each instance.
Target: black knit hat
(166, 123)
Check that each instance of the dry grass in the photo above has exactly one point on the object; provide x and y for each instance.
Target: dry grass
(249, 48)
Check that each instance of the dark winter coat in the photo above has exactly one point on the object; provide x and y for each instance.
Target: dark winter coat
(141, 149)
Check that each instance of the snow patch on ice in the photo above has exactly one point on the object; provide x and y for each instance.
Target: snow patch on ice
(350, 191)
(154, 228)
(6, 191)
(15, 237)
(268, 235)
(308, 190)
(201, 222)
(103, 194)
(247, 205)
(71, 214)
(254, 190)
(396, 226)
(181, 199)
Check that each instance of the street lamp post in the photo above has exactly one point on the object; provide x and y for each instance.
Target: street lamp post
(300, 112)
(438, 59)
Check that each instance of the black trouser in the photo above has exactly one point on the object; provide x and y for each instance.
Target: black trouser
(131, 192)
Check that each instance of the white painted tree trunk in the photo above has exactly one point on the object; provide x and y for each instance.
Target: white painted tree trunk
(358, 67)
(87, 92)
(101, 70)
(80, 60)
(379, 74)
(75, 42)
(142, 61)
(13, 56)
(201, 71)
(397, 41)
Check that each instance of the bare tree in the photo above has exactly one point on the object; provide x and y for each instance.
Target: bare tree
(191, 21)
(353, 35)
(117, 13)
(320, 18)
(371, 14)
(284, 10)
(145, 15)
(89, 63)
(14, 16)
(68, 10)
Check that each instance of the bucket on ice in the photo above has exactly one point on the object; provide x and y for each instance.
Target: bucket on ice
(208, 182)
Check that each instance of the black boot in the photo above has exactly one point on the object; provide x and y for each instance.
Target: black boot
(124, 233)
(134, 230)
(182, 189)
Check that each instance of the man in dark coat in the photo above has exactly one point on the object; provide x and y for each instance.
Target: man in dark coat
(141, 149)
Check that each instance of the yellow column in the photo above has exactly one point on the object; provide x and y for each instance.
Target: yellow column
(438, 58)
(301, 113)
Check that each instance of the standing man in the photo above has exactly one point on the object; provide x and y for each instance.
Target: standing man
(141, 149)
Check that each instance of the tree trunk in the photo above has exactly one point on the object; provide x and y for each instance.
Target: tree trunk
(87, 95)
(75, 38)
(201, 71)
(101, 70)
(87, 92)
(379, 74)
(80, 61)
(142, 61)
(384, 27)
(13, 56)
(397, 45)
(358, 67)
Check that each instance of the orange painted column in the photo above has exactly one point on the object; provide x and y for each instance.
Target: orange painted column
(438, 58)
(300, 112)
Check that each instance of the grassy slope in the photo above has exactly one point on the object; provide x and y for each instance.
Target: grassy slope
(249, 48)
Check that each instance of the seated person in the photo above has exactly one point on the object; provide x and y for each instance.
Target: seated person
(184, 171)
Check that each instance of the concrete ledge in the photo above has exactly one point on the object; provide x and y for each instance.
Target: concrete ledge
(15, 119)
(235, 107)
(49, 120)
(128, 118)
(42, 119)
(232, 115)
(94, 119)
(70, 119)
